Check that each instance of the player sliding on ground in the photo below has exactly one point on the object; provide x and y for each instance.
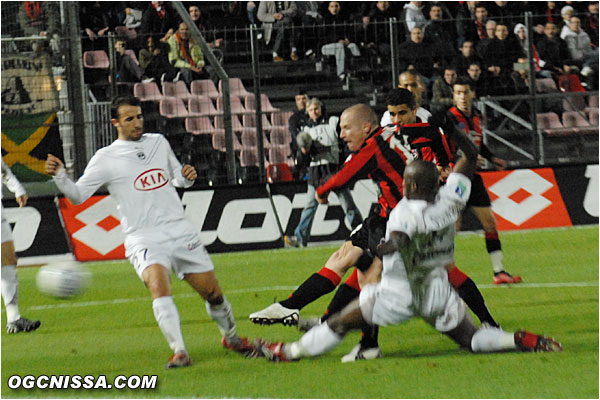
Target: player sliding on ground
(141, 173)
(419, 243)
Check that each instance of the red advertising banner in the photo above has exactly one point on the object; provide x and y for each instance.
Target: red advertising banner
(93, 228)
(526, 199)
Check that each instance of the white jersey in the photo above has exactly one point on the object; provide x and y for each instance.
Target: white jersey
(431, 229)
(140, 175)
(11, 181)
(422, 113)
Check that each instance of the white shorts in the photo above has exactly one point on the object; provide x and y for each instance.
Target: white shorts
(6, 231)
(182, 254)
(391, 303)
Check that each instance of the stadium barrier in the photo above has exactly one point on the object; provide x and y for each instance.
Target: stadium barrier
(242, 218)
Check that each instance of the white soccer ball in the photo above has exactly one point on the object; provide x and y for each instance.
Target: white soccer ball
(64, 279)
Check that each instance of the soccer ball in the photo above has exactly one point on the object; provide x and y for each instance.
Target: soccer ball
(64, 279)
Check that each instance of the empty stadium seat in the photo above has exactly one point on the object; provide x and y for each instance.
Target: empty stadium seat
(235, 102)
(235, 122)
(577, 121)
(199, 126)
(147, 92)
(265, 104)
(279, 154)
(171, 107)
(249, 139)
(236, 88)
(123, 31)
(249, 157)
(281, 118)
(202, 105)
(592, 114)
(96, 59)
(177, 89)
(280, 135)
(219, 142)
(550, 124)
(204, 87)
(249, 120)
(593, 101)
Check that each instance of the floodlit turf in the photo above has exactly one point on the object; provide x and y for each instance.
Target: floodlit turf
(110, 330)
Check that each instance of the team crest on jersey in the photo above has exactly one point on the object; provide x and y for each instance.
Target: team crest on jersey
(151, 180)
(460, 189)
(141, 155)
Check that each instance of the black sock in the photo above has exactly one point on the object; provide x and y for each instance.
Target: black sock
(369, 337)
(310, 290)
(469, 292)
(344, 295)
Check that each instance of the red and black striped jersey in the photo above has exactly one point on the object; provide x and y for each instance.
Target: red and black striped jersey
(384, 156)
(471, 126)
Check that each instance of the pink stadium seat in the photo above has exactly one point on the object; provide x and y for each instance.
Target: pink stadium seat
(249, 157)
(199, 126)
(147, 91)
(265, 104)
(236, 88)
(235, 122)
(123, 31)
(575, 119)
(249, 139)
(219, 142)
(280, 135)
(550, 124)
(279, 154)
(593, 101)
(204, 87)
(280, 118)
(177, 89)
(201, 105)
(249, 120)
(592, 114)
(96, 59)
(578, 103)
(172, 107)
(546, 85)
(236, 105)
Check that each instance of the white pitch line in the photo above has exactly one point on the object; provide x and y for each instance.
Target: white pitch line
(68, 304)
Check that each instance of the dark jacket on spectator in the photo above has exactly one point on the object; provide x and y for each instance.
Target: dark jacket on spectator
(420, 55)
(155, 25)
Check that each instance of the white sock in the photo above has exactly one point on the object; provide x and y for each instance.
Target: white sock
(293, 49)
(274, 54)
(222, 314)
(318, 340)
(496, 257)
(167, 316)
(10, 292)
(491, 339)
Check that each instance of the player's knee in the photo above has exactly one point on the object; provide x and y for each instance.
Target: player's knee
(214, 297)
(336, 324)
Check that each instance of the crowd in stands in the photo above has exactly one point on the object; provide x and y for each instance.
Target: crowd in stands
(485, 42)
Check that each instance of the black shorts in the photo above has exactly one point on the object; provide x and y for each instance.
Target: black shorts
(479, 195)
(368, 234)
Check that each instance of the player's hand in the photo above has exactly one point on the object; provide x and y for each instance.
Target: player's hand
(322, 200)
(53, 165)
(189, 172)
(480, 161)
(499, 163)
(22, 200)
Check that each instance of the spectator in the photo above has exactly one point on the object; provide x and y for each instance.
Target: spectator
(565, 13)
(158, 19)
(474, 77)
(414, 54)
(127, 69)
(438, 31)
(298, 119)
(502, 51)
(523, 40)
(278, 15)
(204, 27)
(505, 12)
(376, 31)
(490, 31)
(476, 30)
(413, 15)
(464, 20)
(442, 91)
(154, 59)
(590, 22)
(546, 12)
(307, 16)
(186, 55)
(38, 18)
(337, 37)
(552, 49)
(319, 145)
(95, 25)
(465, 58)
(578, 42)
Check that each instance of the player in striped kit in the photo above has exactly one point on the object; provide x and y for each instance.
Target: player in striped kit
(141, 173)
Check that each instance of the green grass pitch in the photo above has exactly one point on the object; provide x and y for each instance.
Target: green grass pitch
(110, 330)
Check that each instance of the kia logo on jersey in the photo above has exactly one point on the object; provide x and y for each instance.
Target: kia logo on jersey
(151, 179)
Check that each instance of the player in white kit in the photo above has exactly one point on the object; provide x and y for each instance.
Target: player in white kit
(141, 173)
(15, 323)
(419, 242)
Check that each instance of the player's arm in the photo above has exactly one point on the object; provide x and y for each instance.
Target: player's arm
(397, 241)
(358, 167)
(183, 176)
(466, 164)
(13, 184)
(93, 177)
(486, 153)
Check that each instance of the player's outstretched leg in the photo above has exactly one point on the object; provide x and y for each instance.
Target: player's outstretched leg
(468, 291)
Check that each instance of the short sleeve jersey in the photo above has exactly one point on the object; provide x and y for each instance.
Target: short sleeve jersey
(141, 176)
(431, 229)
